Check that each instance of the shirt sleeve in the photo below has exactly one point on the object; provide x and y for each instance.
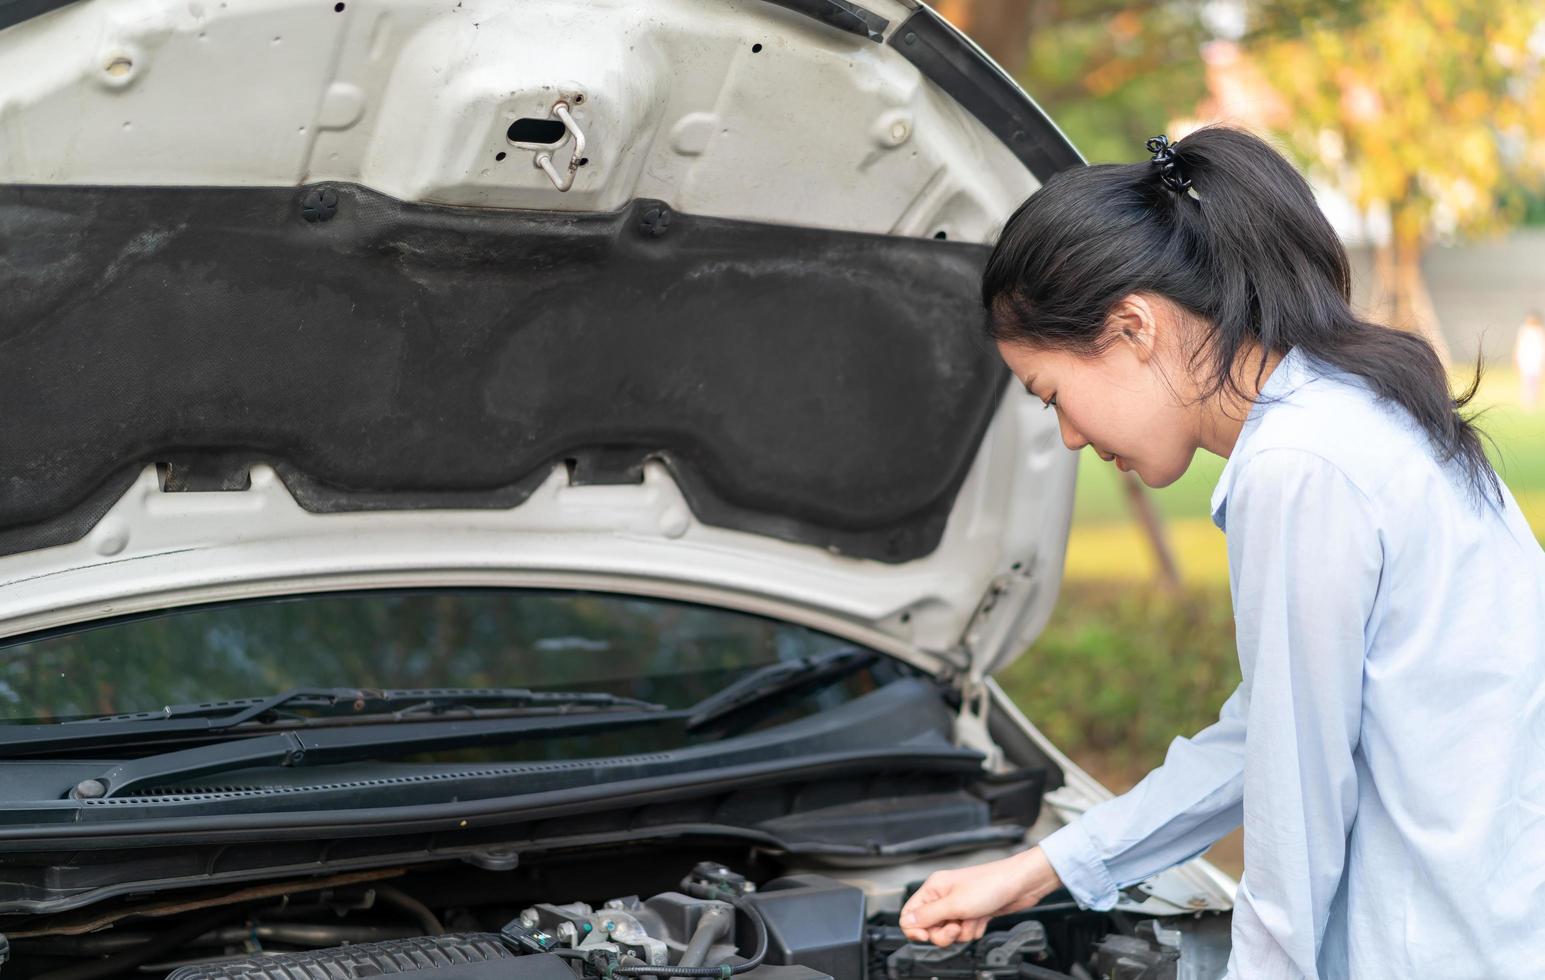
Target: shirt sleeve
(1177, 812)
(1307, 556)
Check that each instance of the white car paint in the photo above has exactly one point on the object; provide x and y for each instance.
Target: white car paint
(732, 108)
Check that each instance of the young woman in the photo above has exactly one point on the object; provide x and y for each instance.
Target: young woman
(1386, 749)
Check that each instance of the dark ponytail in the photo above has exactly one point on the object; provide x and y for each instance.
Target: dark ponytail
(1245, 249)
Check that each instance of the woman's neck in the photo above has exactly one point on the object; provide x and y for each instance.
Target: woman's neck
(1223, 417)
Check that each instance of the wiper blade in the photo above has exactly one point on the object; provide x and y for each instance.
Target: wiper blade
(329, 746)
(181, 723)
(358, 701)
(326, 741)
(778, 680)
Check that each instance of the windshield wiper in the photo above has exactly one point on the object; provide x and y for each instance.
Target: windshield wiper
(330, 740)
(346, 701)
(328, 746)
(776, 681)
(341, 706)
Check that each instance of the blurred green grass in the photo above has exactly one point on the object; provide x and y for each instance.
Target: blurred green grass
(1121, 671)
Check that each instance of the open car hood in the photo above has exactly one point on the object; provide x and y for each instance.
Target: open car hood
(671, 296)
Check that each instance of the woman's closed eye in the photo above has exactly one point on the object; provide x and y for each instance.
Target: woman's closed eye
(1048, 402)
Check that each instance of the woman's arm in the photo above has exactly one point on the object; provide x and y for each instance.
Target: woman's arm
(1176, 812)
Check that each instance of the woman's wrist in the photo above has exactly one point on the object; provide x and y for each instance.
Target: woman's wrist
(1037, 876)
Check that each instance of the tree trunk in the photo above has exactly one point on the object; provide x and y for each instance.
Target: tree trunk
(1153, 529)
(1415, 302)
(1403, 288)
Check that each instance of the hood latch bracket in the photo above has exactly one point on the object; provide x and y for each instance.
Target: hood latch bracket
(544, 159)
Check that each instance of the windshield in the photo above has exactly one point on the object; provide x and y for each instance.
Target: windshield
(656, 650)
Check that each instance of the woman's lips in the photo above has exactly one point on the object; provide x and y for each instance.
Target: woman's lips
(1121, 464)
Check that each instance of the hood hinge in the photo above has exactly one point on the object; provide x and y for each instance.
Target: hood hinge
(997, 622)
(971, 728)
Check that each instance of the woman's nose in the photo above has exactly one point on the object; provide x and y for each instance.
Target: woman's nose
(1070, 436)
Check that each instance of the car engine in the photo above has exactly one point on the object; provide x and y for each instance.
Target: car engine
(716, 923)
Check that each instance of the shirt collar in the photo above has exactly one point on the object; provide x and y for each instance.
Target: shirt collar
(1291, 371)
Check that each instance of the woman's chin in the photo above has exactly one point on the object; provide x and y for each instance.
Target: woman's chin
(1151, 476)
(1155, 480)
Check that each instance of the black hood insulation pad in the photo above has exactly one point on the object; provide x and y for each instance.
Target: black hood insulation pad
(822, 387)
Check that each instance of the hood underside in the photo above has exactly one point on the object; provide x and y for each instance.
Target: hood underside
(316, 240)
(818, 386)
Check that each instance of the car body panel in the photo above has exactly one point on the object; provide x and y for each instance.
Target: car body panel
(732, 109)
(690, 103)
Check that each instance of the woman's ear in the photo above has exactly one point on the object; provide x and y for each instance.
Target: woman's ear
(1134, 320)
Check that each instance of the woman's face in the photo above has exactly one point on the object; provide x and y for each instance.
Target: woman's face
(1130, 402)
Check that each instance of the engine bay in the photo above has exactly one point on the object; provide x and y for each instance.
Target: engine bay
(667, 912)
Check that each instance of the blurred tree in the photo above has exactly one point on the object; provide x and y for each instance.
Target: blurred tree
(999, 26)
(1111, 72)
(1427, 111)
(1427, 114)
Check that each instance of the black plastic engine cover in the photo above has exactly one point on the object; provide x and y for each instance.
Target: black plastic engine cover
(465, 956)
(1139, 957)
(815, 922)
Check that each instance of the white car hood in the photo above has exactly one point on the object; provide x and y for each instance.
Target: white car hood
(872, 130)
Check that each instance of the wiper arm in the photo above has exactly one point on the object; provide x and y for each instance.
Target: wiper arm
(778, 680)
(320, 746)
(328, 746)
(193, 721)
(229, 714)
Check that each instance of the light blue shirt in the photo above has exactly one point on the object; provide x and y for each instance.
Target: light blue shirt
(1386, 748)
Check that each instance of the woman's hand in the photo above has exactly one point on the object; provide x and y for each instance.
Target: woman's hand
(954, 906)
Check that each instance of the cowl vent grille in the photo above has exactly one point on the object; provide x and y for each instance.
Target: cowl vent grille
(201, 794)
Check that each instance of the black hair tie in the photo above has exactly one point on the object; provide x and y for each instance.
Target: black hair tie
(1169, 168)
